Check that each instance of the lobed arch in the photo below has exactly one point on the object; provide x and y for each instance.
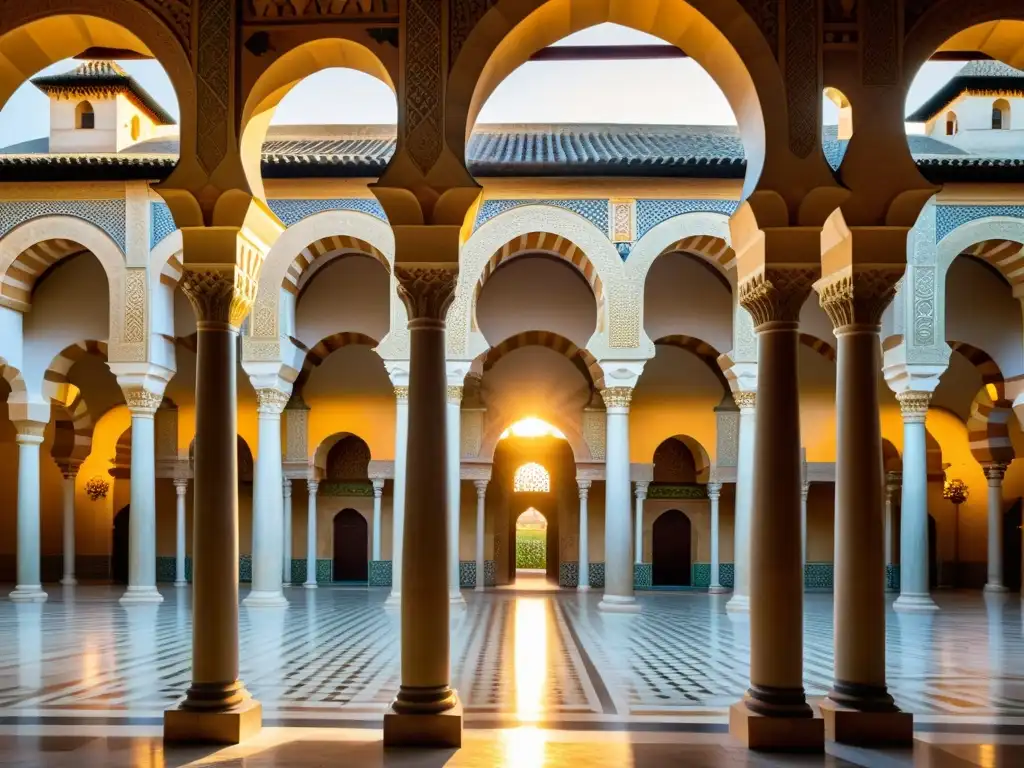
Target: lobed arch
(323, 450)
(700, 349)
(584, 361)
(702, 234)
(988, 425)
(701, 458)
(320, 351)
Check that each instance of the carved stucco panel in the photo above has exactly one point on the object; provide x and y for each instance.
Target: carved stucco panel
(594, 433)
(472, 433)
(296, 433)
(727, 438)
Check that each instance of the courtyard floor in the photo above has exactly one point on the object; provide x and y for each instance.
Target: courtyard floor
(544, 665)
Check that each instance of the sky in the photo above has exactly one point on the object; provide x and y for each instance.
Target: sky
(666, 91)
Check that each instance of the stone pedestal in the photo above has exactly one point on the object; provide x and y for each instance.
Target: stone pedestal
(778, 734)
(222, 727)
(867, 729)
(440, 730)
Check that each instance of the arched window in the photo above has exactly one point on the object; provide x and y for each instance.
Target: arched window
(85, 118)
(1001, 115)
(136, 127)
(531, 478)
(951, 127)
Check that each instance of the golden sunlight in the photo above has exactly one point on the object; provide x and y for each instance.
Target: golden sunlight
(531, 426)
(531, 658)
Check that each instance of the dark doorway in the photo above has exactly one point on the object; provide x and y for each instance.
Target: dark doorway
(1012, 547)
(933, 555)
(670, 539)
(119, 549)
(351, 560)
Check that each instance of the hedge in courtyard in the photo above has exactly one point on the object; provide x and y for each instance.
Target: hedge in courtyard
(531, 549)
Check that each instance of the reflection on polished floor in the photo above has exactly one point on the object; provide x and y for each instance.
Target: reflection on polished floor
(560, 681)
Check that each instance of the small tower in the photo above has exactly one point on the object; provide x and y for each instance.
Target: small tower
(98, 107)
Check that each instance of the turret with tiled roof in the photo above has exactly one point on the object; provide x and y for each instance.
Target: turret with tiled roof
(102, 79)
(978, 78)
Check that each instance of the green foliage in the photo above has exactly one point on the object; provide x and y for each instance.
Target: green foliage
(531, 549)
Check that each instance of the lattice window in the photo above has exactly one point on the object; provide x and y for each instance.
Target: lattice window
(531, 478)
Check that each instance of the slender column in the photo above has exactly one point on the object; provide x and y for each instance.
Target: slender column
(70, 473)
(311, 486)
(426, 711)
(398, 505)
(854, 304)
(805, 490)
(142, 523)
(914, 590)
(453, 412)
(638, 547)
(286, 539)
(584, 564)
(29, 588)
(481, 508)
(618, 571)
(180, 489)
(740, 600)
(268, 504)
(714, 494)
(994, 473)
(892, 487)
(378, 493)
(217, 706)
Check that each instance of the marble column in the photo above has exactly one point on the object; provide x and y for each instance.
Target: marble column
(481, 509)
(805, 490)
(312, 486)
(618, 568)
(740, 600)
(858, 708)
(584, 558)
(398, 491)
(714, 495)
(142, 523)
(29, 588)
(286, 539)
(426, 710)
(638, 538)
(892, 487)
(378, 493)
(70, 474)
(453, 411)
(180, 489)
(914, 589)
(994, 473)
(217, 706)
(268, 504)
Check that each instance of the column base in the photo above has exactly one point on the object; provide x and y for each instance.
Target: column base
(141, 595)
(265, 600)
(780, 734)
(995, 588)
(583, 588)
(456, 599)
(479, 589)
(738, 604)
(717, 590)
(442, 730)
(28, 593)
(181, 583)
(394, 601)
(230, 726)
(310, 585)
(868, 729)
(618, 604)
(69, 581)
(915, 604)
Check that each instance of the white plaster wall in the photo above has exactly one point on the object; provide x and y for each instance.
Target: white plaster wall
(974, 119)
(683, 295)
(350, 294)
(65, 137)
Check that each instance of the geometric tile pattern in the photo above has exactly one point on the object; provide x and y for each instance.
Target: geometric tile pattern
(593, 210)
(292, 211)
(650, 213)
(949, 217)
(467, 574)
(892, 577)
(161, 223)
(380, 573)
(643, 575)
(569, 575)
(108, 215)
(818, 575)
(323, 571)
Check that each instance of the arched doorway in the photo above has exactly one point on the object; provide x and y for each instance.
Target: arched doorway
(351, 558)
(531, 543)
(671, 541)
(120, 546)
(1012, 547)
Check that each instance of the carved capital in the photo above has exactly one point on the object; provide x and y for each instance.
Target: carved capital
(29, 432)
(714, 490)
(995, 473)
(219, 294)
(745, 399)
(181, 485)
(641, 490)
(142, 401)
(914, 406)
(858, 298)
(481, 488)
(271, 401)
(584, 486)
(426, 291)
(312, 486)
(402, 394)
(777, 294)
(617, 397)
(378, 487)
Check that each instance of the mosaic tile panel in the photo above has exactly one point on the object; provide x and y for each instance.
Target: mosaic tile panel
(643, 575)
(593, 210)
(467, 574)
(569, 574)
(650, 213)
(108, 215)
(245, 569)
(818, 575)
(323, 571)
(380, 573)
(161, 223)
(597, 575)
(892, 577)
(949, 217)
(293, 211)
(727, 574)
(700, 574)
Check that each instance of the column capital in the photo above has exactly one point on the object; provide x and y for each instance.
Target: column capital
(29, 432)
(805, 488)
(714, 489)
(141, 401)
(914, 406)
(994, 473)
(69, 469)
(584, 487)
(378, 487)
(402, 394)
(617, 397)
(641, 489)
(271, 401)
(777, 294)
(454, 395)
(426, 290)
(745, 401)
(481, 487)
(856, 297)
(312, 486)
(286, 484)
(219, 294)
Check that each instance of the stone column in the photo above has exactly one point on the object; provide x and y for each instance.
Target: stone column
(70, 473)
(618, 570)
(217, 706)
(775, 713)
(426, 711)
(740, 600)
(286, 539)
(29, 588)
(453, 411)
(378, 493)
(858, 708)
(180, 489)
(481, 508)
(914, 589)
(892, 487)
(268, 504)
(994, 473)
(311, 487)
(714, 494)
(584, 559)
(805, 490)
(142, 523)
(638, 547)
(398, 492)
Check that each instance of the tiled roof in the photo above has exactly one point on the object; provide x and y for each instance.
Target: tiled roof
(97, 75)
(982, 76)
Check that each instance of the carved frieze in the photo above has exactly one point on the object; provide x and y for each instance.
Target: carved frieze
(423, 83)
(213, 77)
(264, 10)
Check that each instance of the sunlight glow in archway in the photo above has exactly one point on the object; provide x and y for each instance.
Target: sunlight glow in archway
(531, 426)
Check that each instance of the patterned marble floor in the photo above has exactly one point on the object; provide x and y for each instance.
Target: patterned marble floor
(519, 658)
